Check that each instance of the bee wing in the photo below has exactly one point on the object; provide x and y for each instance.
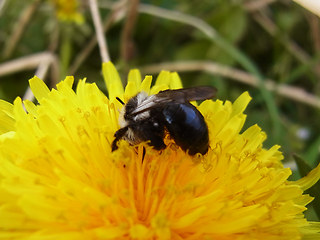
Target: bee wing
(186, 94)
(177, 96)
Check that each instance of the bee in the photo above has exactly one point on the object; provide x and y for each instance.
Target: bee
(150, 118)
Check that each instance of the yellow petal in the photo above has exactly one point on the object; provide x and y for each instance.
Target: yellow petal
(112, 80)
(39, 88)
(138, 231)
(175, 82)
(6, 108)
(309, 180)
(7, 123)
(146, 84)
(30, 107)
(130, 91)
(163, 78)
(135, 76)
(241, 103)
(109, 232)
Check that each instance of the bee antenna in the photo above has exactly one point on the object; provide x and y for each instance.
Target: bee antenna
(120, 101)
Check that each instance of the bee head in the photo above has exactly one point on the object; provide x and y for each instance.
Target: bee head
(132, 105)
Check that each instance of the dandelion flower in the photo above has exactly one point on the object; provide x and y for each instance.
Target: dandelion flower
(68, 10)
(60, 180)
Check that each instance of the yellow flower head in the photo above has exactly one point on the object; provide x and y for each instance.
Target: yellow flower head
(68, 10)
(60, 180)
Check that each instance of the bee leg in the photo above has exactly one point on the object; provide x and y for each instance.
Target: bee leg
(143, 153)
(154, 135)
(157, 142)
(118, 135)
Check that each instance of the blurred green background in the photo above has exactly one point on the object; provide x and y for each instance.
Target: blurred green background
(226, 44)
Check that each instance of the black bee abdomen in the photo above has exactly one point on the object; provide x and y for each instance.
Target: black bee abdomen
(187, 127)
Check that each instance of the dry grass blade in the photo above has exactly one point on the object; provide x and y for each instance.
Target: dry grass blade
(39, 61)
(117, 13)
(127, 46)
(255, 5)
(311, 5)
(99, 31)
(27, 63)
(294, 93)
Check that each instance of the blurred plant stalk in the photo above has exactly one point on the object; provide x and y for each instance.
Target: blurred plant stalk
(311, 5)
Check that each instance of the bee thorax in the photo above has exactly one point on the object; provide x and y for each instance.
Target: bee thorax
(142, 116)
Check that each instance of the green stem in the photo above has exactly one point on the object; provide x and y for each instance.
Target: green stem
(65, 51)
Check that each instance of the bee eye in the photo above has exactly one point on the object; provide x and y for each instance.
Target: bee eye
(155, 124)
